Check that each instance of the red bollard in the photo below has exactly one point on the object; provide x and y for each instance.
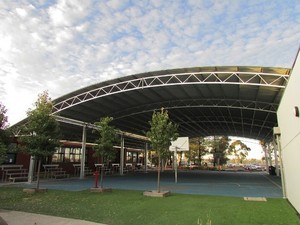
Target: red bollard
(96, 174)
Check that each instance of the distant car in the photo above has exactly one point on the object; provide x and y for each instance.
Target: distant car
(255, 167)
(194, 166)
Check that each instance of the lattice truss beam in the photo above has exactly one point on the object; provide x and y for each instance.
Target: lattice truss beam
(201, 78)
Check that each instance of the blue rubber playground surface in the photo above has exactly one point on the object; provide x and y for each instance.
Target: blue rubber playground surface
(219, 183)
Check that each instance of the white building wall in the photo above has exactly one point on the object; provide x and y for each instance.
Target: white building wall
(290, 135)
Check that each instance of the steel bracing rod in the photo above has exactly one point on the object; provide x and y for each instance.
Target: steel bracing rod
(233, 122)
(92, 126)
(265, 121)
(228, 106)
(233, 118)
(233, 78)
(230, 103)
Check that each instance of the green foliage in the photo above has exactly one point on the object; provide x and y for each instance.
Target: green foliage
(218, 147)
(42, 132)
(3, 133)
(3, 117)
(162, 132)
(106, 140)
(3, 152)
(239, 150)
(198, 149)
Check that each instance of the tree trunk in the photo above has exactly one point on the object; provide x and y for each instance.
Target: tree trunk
(102, 172)
(158, 174)
(101, 177)
(199, 153)
(38, 174)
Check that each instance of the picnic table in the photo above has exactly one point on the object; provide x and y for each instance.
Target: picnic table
(16, 171)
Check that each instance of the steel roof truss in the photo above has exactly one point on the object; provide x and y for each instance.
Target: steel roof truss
(173, 79)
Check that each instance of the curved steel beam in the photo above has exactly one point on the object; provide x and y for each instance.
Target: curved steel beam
(201, 78)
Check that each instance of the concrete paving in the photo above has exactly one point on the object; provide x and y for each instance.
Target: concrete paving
(22, 218)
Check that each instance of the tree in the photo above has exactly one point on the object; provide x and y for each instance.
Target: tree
(42, 132)
(239, 150)
(198, 149)
(162, 132)
(218, 147)
(104, 144)
(3, 133)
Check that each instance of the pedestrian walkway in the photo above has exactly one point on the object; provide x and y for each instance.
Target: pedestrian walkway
(22, 218)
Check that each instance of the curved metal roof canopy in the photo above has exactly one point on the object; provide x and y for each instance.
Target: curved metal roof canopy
(204, 101)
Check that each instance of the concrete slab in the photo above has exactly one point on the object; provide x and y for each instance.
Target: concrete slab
(255, 199)
(21, 218)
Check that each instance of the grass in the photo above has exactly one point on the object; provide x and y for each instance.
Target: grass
(131, 207)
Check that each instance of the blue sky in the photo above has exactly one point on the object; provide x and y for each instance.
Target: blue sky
(61, 46)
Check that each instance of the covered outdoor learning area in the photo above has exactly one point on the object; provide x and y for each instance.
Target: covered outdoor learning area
(237, 101)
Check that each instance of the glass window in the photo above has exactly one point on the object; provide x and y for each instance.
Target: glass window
(58, 156)
(10, 158)
(134, 157)
(68, 154)
(129, 157)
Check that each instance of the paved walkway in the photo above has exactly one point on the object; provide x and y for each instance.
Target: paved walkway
(22, 218)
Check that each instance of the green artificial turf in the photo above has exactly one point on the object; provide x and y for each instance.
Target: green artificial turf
(131, 207)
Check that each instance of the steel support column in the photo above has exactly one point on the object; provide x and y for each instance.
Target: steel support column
(83, 149)
(281, 167)
(146, 158)
(122, 156)
(31, 169)
(266, 158)
(276, 148)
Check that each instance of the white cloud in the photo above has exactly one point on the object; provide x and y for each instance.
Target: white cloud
(64, 45)
(68, 13)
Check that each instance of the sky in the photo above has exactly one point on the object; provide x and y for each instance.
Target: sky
(61, 46)
(256, 150)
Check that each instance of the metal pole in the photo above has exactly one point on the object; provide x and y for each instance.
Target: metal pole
(146, 158)
(276, 158)
(31, 169)
(175, 164)
(82, 163)
(266, 158)
(270, 156)
(122, 155)
(281, 167)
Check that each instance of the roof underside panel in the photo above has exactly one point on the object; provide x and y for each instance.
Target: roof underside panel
(204, 101)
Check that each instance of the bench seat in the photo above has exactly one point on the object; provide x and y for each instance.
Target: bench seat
(13, 179)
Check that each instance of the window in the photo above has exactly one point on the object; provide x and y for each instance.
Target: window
(68, 154)
(10, 158)
(134, 157)
(58, 156)
(129, 157)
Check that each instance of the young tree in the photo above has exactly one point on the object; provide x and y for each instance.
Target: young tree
(239, 150)
(3, 133)
(162, 132)
(42, 132)
(104, 144)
